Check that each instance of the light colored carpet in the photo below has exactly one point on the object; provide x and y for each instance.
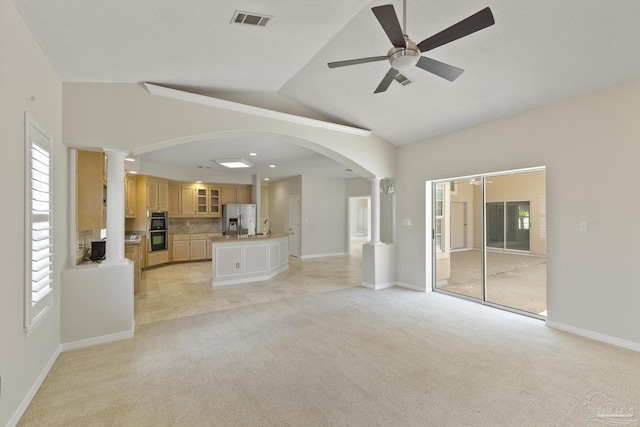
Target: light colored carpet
(350, 357)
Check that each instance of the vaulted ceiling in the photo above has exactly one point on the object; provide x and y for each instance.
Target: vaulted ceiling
(536, 53)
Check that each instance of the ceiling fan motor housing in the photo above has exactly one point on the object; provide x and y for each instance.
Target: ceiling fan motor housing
(403, 58)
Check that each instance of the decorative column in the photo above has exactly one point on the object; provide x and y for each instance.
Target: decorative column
(115, 206)
(375, 211)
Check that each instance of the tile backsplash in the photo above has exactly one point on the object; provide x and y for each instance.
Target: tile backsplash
(194, 225)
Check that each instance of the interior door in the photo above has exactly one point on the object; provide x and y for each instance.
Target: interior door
(294, 225)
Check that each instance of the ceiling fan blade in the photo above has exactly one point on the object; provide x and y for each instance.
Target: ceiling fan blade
(446, 71)
(387, 17)
(386, 81)
(475, 22)
(355, 61)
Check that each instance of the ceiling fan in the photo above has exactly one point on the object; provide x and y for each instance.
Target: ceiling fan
(405, 53)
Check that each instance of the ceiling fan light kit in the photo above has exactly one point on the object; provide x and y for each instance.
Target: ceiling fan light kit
(402, 59)
(406, 54)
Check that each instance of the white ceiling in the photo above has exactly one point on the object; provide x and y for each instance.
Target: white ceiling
(535, 54)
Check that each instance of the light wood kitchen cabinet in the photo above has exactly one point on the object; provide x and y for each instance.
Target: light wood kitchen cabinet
(189, 247)
(243, 195)
(157, 258)
(157, 194)
(228, 195)
(181, 250)
(215, 206)
(198, 248)
(235, 195)
(91, 191)
(130, 196)
(132, 252)
(182, 200)
(143, 252)
(208, 201)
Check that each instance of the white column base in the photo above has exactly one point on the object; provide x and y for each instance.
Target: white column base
(378, 265)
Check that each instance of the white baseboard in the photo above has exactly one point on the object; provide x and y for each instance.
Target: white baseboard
(99, 340)
(13, 421)
(412, 287)
(378, 286)
(618, 342)
(323, 255)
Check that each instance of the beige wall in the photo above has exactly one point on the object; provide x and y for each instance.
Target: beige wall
(589, 146)
(28, 83)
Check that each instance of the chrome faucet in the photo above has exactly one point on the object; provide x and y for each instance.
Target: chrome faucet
(268, 229)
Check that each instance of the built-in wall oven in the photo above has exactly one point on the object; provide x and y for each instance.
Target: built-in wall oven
(158, 235)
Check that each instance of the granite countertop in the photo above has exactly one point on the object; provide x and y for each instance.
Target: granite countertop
(132, 239)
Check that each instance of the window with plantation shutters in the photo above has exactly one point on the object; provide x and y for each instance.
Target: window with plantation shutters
(38, 233)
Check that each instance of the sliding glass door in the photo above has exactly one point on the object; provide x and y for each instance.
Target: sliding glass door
(458, 238)
(490, 239)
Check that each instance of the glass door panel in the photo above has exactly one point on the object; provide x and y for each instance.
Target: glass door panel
(457, 237)
(495, 225)
(515, 260)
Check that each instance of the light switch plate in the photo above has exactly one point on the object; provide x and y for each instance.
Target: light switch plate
(582, 226)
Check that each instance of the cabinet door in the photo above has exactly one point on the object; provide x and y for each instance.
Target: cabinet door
(163, 195)
(152, 195)
(243, 195)
(181, 250)
(202, 207)
(198, 249)
(174, 200)
(90, 191)
(188, 200)
(214, 202)
(130, 197)
(228, 195)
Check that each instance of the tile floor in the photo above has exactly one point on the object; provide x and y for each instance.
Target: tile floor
(179, 290)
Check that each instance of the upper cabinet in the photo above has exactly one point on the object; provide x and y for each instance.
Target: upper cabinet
(91, 190)
(157, 194)
(215, 202)
(130, 196)
(239, 194)
(189, 199)
(182, 199)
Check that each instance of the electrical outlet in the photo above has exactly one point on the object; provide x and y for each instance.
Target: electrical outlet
(80, 246)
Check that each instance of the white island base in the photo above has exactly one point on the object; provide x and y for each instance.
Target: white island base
(248, 260)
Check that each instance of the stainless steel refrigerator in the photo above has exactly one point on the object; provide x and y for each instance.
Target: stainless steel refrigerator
(239, 219)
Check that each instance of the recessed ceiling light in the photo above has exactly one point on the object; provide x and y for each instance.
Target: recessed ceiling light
(266, 179)
(272, 166)
(132, 172)
(129, 159)
(253, 154)
(234, 163)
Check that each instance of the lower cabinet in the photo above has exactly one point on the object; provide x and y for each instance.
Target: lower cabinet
(189, 247)
(157, 258)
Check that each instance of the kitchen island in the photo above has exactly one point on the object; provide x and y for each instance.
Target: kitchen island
(248, 259)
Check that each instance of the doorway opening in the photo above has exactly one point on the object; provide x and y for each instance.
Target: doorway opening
(489, 239)
(359, 211)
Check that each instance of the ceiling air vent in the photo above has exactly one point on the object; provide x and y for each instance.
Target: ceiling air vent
(403, 80)
(250, 19)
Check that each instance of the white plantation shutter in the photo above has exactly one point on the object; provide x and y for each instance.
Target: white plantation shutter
(38, 241)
